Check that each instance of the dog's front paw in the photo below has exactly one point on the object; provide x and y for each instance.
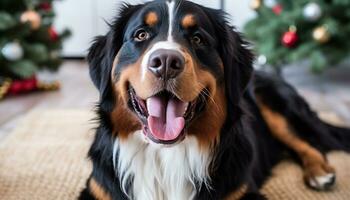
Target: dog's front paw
(320, 177)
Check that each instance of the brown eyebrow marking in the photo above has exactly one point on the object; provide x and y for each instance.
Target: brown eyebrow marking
(188, 21)
(151, 18)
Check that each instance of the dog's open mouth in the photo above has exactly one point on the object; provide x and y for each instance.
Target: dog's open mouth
(164, 116)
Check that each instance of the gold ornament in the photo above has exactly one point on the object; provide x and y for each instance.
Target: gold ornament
(256, 4)
(4, 88)
(321, 34)
(32, 17)
(49, 86)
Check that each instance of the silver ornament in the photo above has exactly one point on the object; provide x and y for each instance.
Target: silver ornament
(312, 12)
(12, 51)
(270, 3)
(262, 60)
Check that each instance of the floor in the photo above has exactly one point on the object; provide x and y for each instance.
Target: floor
(327, 93)
(77, 92)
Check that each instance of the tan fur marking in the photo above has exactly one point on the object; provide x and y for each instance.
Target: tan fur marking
(151, 19)
(123, 120)
(115, 62)
(97, 191)
(238, 194)
(187, 86)
(207, 127)
(313, 161)
(188, 21)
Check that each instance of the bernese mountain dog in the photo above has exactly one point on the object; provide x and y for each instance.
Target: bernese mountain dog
(182, 114)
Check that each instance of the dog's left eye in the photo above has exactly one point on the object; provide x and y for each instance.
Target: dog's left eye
(141, 35)
(197, 39)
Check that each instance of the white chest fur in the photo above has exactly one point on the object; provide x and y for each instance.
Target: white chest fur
(159, 172)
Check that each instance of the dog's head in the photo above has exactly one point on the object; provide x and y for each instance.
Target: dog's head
(170, 68)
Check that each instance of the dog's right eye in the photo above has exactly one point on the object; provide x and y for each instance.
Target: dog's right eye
(141, 35)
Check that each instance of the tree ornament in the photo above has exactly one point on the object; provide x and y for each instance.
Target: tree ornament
(256, 4)
(4, 87)
(32, 17)
(12, 51)
(312, 12)
(277, 9)
(22, 86)
(53, 34)
(46, 6)
(270, 3)
(29, 84)
(49, 86)
(290, 38)
(262, 60)
(15, 88)
(321, 34)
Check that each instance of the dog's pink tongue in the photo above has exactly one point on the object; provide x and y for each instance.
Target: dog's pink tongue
(165, 120)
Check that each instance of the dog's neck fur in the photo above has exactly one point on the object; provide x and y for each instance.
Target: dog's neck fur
(158, 172)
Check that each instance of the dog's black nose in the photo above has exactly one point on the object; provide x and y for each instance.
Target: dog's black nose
(166, 63)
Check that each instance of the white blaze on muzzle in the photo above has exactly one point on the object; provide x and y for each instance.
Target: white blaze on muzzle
(168, 44)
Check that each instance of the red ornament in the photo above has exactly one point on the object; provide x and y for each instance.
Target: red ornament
(53, 34)
(15, 88)
(30, 84)
(290, 39)
(277, 9)
(21, 86)
(45, 6)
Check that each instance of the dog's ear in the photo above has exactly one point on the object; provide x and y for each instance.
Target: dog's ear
(236, 57)
(238, 63)
(104, 49)
(97, 59)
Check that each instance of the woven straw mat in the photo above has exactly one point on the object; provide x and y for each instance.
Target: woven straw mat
(45, 158)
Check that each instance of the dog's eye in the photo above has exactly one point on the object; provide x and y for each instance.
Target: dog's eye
(197, 39)
(141, 35)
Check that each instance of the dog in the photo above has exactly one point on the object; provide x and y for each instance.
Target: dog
(183, 115)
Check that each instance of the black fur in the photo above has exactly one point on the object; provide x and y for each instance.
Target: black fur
(247, 151)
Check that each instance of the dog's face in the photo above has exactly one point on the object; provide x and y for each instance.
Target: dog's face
(167, 64)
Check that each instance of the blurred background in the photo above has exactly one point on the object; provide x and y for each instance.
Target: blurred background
(43, 44)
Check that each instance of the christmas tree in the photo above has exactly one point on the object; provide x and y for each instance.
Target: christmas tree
(28, 40)
(286, 31)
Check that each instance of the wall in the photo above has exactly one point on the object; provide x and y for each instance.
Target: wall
(87, 18)
(240, 11)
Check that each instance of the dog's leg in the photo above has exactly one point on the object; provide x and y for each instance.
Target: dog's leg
(238, 194)
(318, 174)
(94, 191)
(243, 194)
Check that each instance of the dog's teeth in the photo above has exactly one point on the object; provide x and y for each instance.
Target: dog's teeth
(186, 107)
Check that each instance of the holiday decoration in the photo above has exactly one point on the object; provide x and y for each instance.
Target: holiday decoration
(290, 38)
(256, 4)
(49, 86)
(262, 60)
(29, 42)
(321, 34)
(29, 84)
(12, 51)
(4, 87)
(31, 17)
(46, 6)
(16, 87)
(270, 3)
(53, 34)
(321, 39)
(312, 12)
(277, 9)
